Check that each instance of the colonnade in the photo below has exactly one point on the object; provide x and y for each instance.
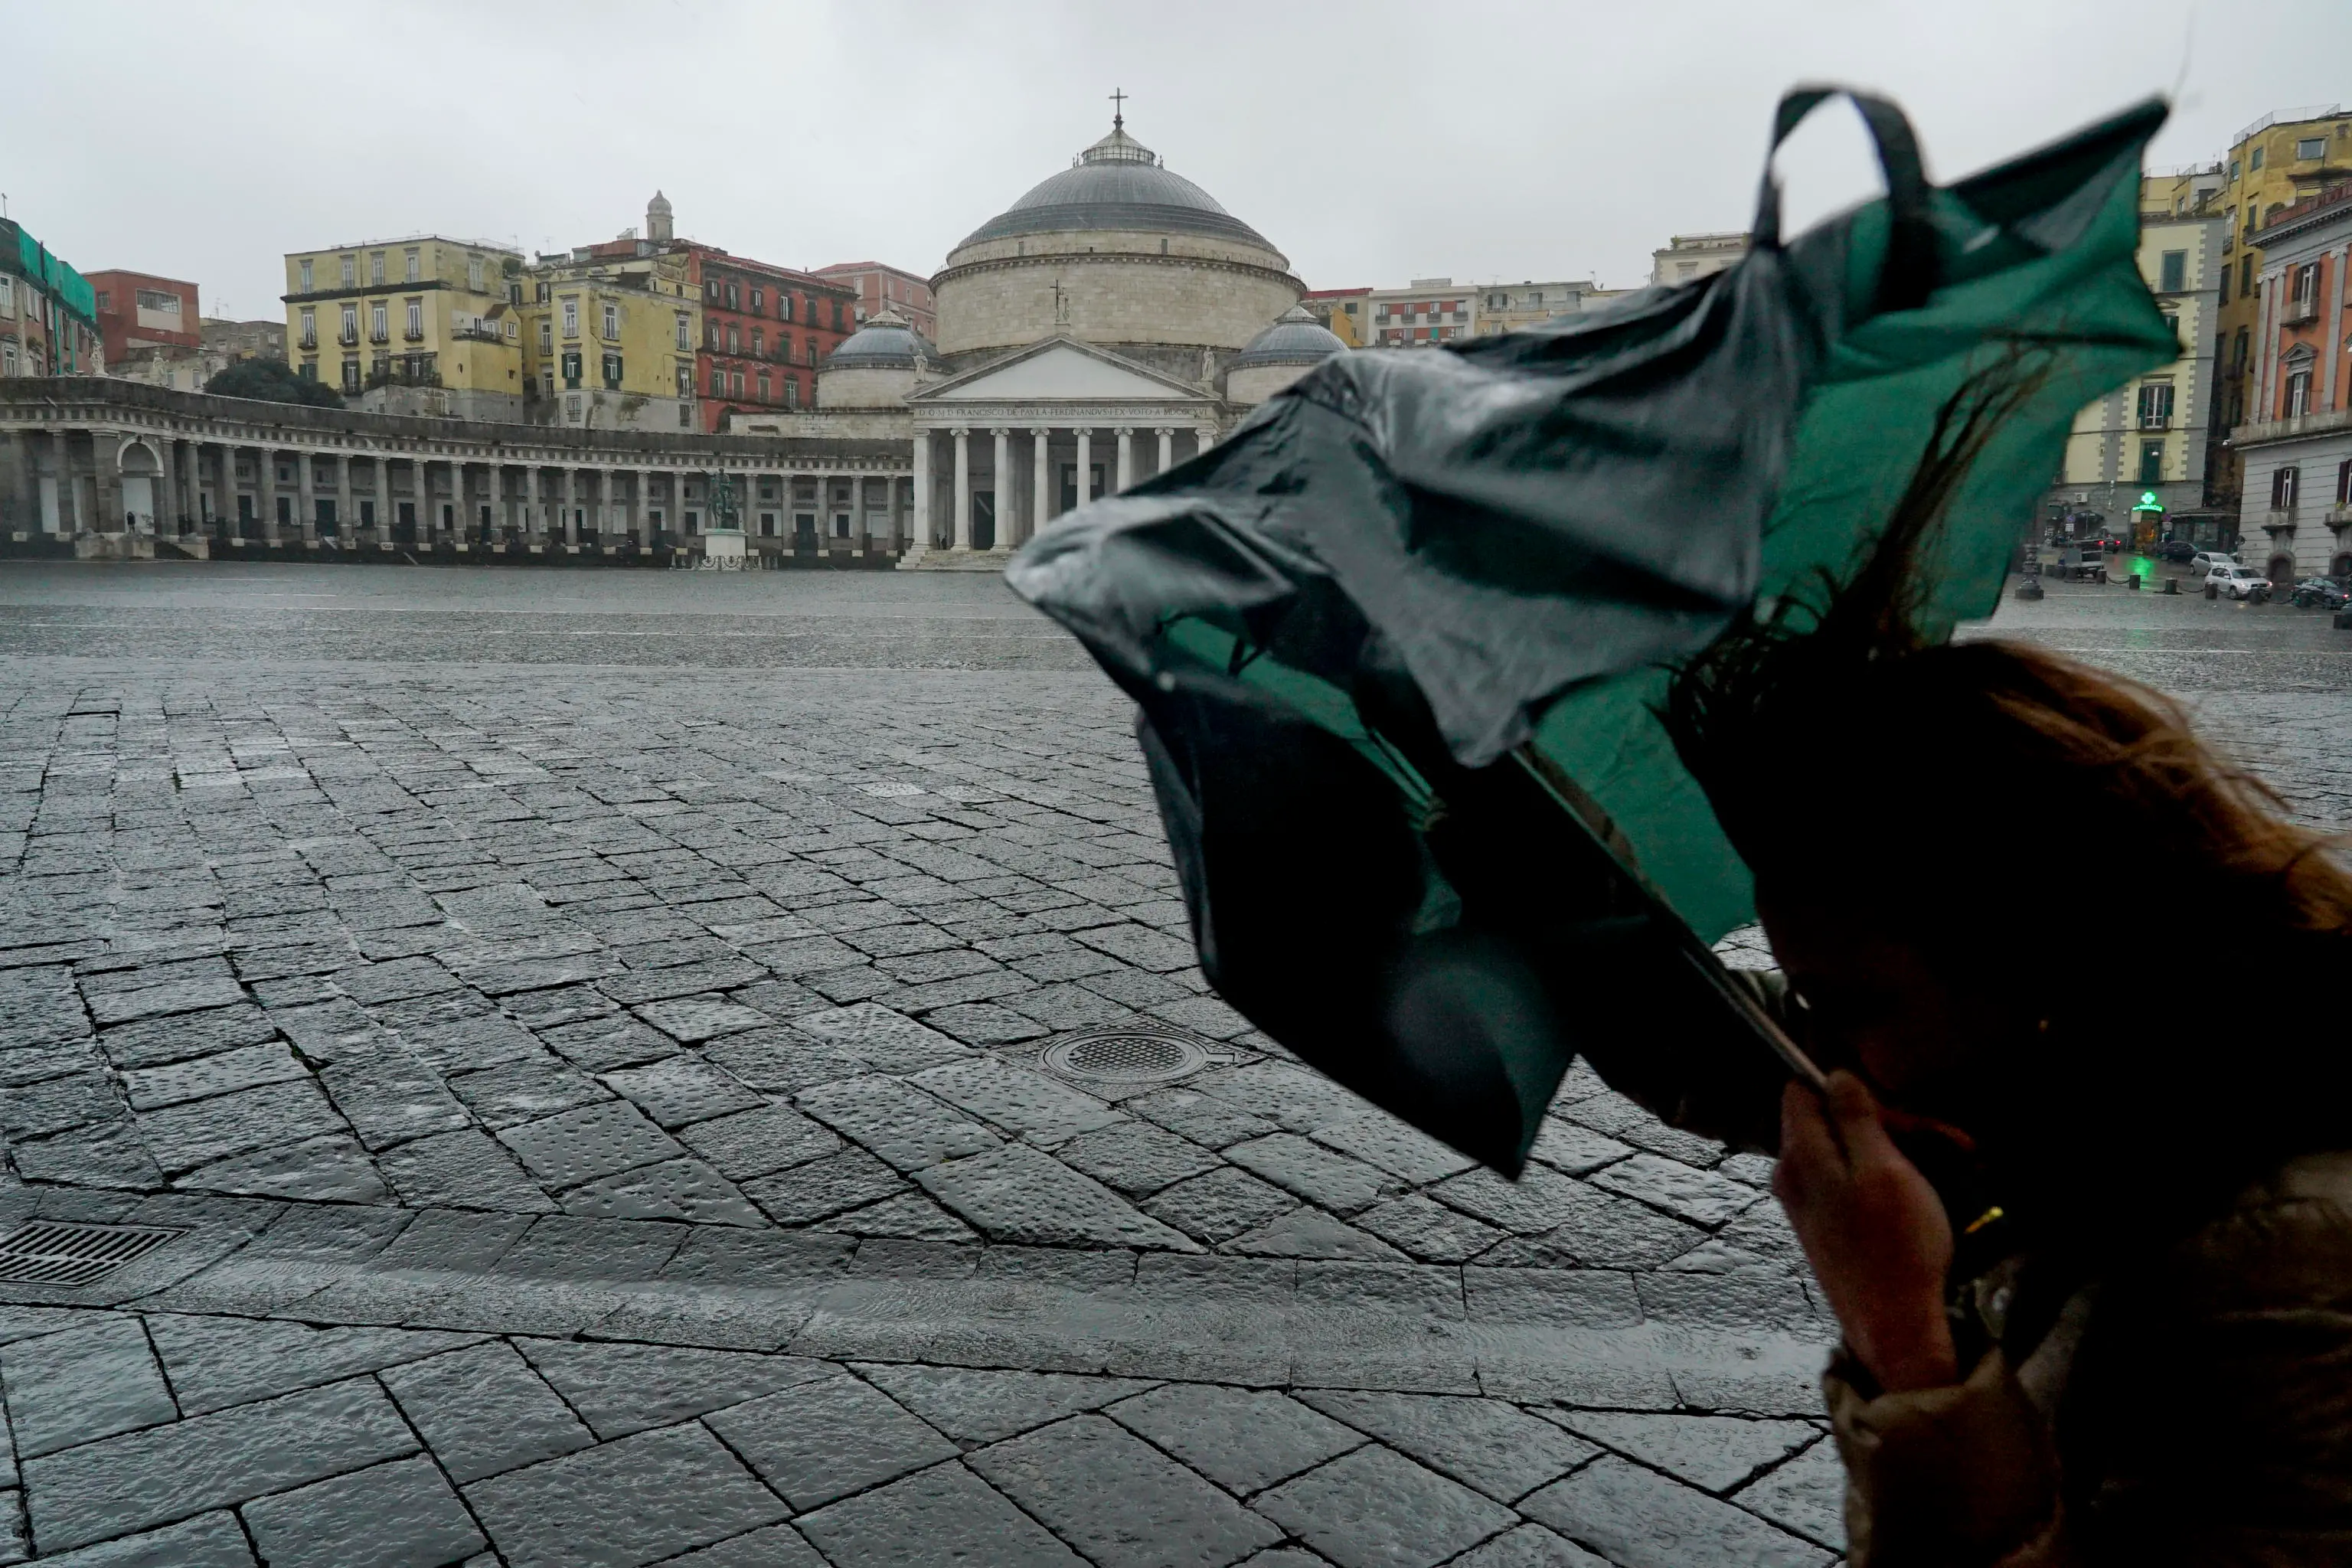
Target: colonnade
(1062, 468)
(78, 482)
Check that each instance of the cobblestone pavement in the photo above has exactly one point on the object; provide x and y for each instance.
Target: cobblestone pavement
(604, 1117)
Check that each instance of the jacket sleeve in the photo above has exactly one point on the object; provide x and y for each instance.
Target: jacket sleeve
(2210, 1406)
(1958, 1477)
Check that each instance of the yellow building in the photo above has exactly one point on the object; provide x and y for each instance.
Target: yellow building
(1341, 311)
(2150, 440)
(421, 325)
(609, 335)
(2272, 164)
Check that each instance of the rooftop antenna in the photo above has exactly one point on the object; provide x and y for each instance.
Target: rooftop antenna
(1118, 107)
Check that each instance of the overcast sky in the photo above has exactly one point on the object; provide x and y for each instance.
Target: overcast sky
(1373, 142)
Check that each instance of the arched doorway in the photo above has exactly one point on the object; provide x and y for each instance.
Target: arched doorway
(141, 470)
(2340, 567)
(2281, 571)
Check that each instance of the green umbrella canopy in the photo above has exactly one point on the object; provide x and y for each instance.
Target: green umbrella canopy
(1398, 642)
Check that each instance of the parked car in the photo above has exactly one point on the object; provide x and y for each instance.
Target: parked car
(2323, 593)
(2237, 582)
(2204, 560)
(2177, 550)
(2087, 567)
(2107, 543)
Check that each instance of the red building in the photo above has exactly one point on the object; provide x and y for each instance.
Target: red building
(765, 330)
(136, 310)
(883, 287)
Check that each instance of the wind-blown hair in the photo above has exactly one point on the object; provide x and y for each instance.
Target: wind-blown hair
(2029, 823)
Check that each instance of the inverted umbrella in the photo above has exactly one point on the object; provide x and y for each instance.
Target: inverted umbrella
(1398, 642)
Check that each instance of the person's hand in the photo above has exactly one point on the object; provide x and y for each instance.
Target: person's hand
(1874, 1229)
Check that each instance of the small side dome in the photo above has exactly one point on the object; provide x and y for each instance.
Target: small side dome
(885, 343)
(1295, 338)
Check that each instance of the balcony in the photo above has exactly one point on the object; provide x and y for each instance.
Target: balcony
(349, 337)
(2276, 524)
(2156, 421)
(379, 336)
(2299, 311)
(309, 341)
(2326, 424)
(414, 335)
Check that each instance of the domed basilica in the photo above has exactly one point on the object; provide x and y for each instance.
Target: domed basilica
(1107, 325)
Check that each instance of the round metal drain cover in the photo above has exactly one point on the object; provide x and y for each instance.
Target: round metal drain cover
(1126, 1055)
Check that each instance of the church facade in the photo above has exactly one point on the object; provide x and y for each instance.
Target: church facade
(1110, 323)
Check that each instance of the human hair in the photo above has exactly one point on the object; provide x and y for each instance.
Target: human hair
(2025, 821)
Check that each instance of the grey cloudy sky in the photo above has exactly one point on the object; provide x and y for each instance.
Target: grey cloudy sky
(1372, 141)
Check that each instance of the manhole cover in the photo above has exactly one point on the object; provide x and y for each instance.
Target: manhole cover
(1126, 1055)
(43, 1253)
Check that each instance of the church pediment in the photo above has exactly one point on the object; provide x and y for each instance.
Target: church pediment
(1060, 370)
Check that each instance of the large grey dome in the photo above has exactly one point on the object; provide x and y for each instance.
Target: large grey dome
(1117, 184)
(1295, 338)
(884, 342)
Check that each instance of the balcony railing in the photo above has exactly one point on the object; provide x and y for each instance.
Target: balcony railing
(349, 337)
(379, 336)
(2301, 310)
(2156, 421)
(2322, 424)
(414, 335)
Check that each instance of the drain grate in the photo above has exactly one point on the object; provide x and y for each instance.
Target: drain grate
(45, 1253)
(1126, 1055)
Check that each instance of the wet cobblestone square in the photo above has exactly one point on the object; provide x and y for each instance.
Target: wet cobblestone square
(589, 1031)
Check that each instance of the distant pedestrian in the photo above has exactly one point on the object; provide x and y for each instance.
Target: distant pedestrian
(2089, 1236)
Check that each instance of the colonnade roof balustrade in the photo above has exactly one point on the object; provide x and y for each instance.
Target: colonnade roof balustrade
(43, 401)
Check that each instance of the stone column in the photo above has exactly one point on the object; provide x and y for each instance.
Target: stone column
(71, 521)
(897, 515)
(1167, 435)
(191, 486)
(306, 491)
(570, 504)
(918, 534)
(963, 488)
(1041, 478)
(1126, 457)
(1001, 480)
(1086, 466)
(167, 491)
(265, 474)
(346, 520)
(1203, 438)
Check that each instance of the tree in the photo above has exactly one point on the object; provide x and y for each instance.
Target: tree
(272, 381)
